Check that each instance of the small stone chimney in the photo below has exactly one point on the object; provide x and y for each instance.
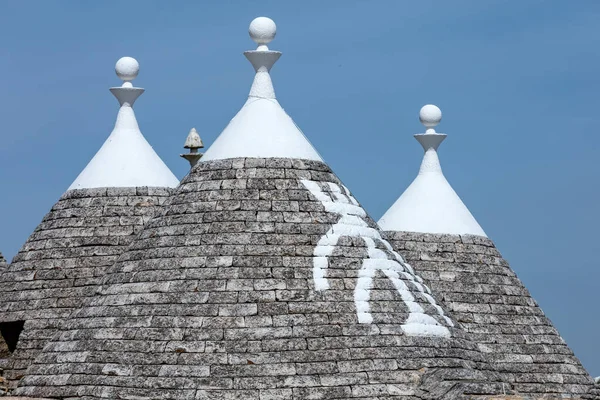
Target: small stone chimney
(193, 143)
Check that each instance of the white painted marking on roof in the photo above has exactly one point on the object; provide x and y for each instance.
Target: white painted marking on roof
(338, 200)
(320, 265)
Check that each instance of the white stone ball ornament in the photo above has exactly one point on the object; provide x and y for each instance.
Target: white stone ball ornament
(262, 30)
(430, 116)
(127, 69)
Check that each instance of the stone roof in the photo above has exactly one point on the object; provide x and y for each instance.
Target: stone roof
(490, 302)
(263, 278)
(3, 263)
(63, 260)
(4, 350)
(477, 284)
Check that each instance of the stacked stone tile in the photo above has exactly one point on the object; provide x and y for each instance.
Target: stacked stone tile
(484, 294)
(3, 347)
(216, 299)
(263, 278)
(4, 351)
(490, 302)
(63, 260)
(60, 266)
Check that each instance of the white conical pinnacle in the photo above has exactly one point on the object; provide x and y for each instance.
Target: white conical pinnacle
(262, 30)
(126, 159)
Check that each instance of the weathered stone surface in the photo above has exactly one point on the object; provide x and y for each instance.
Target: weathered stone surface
(24, 398)
(3, 263)
(216, 299)
(64, 259)
(477, 285)
(4, 351)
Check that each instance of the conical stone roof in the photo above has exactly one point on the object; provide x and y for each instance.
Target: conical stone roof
(262, 279)
(64, 259)
(490, 302)
(4, 350)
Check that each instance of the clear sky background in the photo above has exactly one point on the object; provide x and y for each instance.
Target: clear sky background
(517, 81)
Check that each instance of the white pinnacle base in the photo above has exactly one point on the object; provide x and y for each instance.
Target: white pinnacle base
(430, 205)
(126, 159)
(261, 129)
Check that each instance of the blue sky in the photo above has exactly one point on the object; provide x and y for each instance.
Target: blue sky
(517, 81)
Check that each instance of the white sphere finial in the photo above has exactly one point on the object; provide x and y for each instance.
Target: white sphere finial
(262, 30)
(430, 116)
(127, 69)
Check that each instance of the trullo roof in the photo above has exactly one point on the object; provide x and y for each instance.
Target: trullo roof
(490, 302)
(64, 259)
(263, 278)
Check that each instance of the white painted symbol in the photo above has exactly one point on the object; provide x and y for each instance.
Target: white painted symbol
(352, 223)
